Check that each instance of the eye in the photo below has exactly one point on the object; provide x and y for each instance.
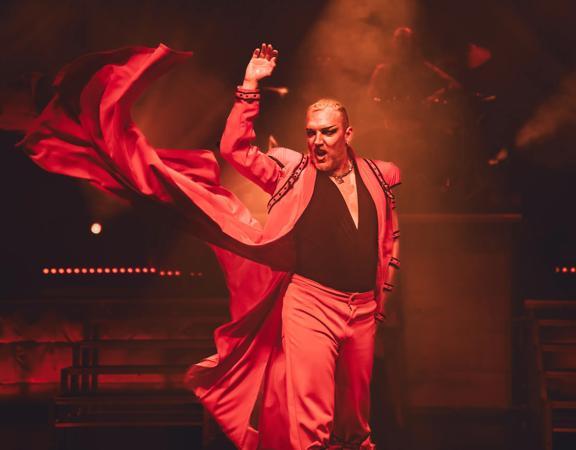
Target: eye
(310, 133)
(329, 132)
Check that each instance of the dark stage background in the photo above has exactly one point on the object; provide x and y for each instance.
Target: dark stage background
(487, 151)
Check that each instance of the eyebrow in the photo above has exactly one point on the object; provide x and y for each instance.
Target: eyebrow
(331, 127)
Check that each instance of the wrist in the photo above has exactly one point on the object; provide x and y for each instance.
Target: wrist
(247, 94)
(251, 85)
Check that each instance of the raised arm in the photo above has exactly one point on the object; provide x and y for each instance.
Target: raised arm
(237, 144)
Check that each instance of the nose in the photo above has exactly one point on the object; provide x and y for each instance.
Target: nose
(318, 138)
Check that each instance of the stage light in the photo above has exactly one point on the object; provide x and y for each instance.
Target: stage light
(96, 228)
(564, 269)
(282, 91)
(127, 270)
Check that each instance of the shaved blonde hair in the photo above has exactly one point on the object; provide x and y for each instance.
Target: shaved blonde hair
(325, 103)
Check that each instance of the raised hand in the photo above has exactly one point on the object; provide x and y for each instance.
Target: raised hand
(260, 66)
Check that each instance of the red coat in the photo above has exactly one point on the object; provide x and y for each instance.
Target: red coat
(86, 132)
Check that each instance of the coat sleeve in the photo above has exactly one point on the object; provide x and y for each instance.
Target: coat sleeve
(237, 144)
(391, 173)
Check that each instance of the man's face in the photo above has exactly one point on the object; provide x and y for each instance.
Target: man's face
(327, 137)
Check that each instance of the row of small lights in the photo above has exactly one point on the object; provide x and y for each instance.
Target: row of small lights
(565, 269)
(114, 270)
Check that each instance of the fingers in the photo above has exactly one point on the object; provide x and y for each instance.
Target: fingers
(265, 51)
(271, 53)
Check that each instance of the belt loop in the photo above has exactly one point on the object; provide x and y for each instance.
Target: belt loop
(351, 299)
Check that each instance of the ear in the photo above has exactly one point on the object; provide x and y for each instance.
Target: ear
(348, 134)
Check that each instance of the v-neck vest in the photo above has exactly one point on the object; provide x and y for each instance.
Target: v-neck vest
(329, 247)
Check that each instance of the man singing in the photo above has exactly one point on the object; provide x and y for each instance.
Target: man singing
(329, 307)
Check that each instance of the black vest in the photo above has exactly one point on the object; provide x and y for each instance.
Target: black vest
(329, 248)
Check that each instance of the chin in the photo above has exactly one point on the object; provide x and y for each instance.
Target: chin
(322, 166)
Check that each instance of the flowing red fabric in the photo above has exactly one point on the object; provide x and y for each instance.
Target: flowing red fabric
(87, 132)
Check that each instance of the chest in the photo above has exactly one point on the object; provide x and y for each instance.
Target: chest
(293, 201)
(347, 207)
(348, 190)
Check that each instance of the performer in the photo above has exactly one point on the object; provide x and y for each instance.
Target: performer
(293, 366)
(410, 98)
(329, 306)
(407, 77)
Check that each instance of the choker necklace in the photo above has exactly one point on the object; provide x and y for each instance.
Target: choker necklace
(340, 178)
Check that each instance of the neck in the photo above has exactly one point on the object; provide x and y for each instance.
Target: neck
(343, 169)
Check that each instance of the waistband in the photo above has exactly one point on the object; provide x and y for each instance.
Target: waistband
(347, 297)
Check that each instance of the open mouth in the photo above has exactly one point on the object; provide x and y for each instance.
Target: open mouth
(320, 153)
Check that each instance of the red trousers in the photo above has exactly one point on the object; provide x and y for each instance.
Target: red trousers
(328, 339)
